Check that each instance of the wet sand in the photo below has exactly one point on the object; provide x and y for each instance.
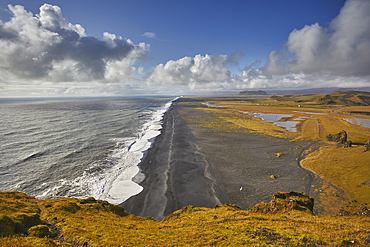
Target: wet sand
(200, 166)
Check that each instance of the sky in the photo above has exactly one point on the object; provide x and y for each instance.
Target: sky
(148, 47)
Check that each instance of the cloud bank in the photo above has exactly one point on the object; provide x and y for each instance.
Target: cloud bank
(46, 54)
(343, 49)
(46, 47)
(313, 56)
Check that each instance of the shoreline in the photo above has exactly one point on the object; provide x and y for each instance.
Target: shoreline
(174, 172)
(193, 165)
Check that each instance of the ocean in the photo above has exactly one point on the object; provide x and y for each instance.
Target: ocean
(80, 147)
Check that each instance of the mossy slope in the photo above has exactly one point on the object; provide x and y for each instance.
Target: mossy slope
(90, 222)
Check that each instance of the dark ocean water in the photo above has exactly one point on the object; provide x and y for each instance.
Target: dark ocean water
(53, 148)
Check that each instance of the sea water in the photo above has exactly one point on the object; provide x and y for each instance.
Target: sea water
(51, 148)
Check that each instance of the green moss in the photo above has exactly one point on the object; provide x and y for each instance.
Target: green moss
(67, 206)
(39, 231)
(7, 226)
(98, 224)
(25, 221)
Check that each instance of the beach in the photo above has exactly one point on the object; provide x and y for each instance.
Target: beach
(193, 164)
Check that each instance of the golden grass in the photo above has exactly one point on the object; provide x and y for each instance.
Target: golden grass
(346, 168)
(103, 224)
(224, 225)
(310, 127)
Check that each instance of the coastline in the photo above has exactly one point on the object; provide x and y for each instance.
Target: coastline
(174, 169)
(193, 165)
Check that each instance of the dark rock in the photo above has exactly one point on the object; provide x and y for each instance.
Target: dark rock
(341, 137)
(367, 146)
(344, 213)
(367, 240)
(361, 211)
(346, 243)
(347, 144)
(286, 201)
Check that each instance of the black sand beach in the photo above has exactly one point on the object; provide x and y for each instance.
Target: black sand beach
(194, 165)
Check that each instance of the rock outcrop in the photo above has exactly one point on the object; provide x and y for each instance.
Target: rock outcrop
(341, 137)
(286, 201)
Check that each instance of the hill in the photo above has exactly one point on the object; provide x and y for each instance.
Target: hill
(344, 98)
(287, 221)
(348, 98)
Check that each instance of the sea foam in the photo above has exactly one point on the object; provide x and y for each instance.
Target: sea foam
(111, 179)
(118, 185)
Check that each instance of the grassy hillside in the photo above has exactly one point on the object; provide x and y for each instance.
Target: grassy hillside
(348, 98)
(343, 98)
(286, 221)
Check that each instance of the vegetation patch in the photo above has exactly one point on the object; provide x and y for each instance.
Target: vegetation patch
(39, 231)
(346, 168)
(288, 221)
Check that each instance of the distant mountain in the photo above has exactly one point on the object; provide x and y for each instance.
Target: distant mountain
(259, 92)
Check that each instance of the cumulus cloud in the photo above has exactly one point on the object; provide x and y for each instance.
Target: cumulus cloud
(342, 49)
(313, 56)
(192, 71)
(47, 47)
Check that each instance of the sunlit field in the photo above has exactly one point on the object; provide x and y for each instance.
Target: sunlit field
(309, 117)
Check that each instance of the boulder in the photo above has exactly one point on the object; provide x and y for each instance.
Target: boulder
(347, 144)
(341, 137)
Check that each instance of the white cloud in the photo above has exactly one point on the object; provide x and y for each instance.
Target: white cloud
(192, 71)
(341, 51)
(150, 35)
(46, 47)
(313, 56)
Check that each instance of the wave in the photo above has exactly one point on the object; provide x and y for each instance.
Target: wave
(111, 178)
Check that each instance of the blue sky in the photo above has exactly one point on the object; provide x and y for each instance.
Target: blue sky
(182, 47)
